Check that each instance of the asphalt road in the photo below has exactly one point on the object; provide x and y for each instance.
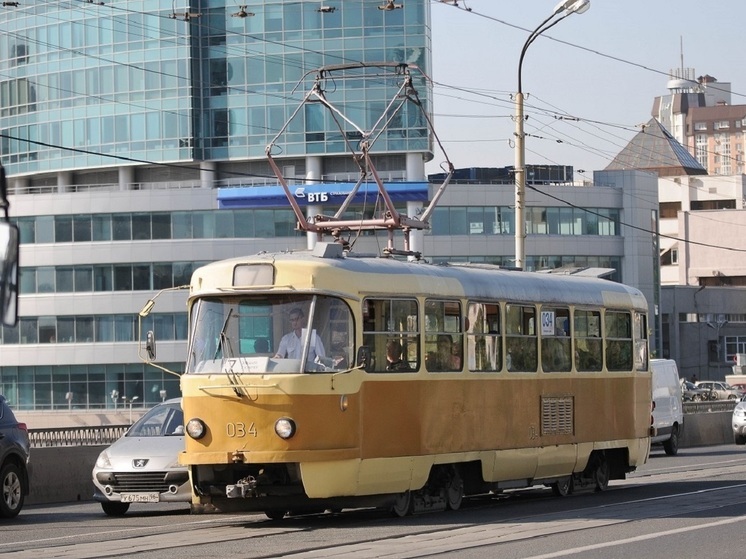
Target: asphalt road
(691, 505)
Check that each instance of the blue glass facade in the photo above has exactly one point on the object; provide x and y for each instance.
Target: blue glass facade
(85, 85)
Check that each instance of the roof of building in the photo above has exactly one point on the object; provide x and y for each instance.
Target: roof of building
(654, 149)
(718, 112)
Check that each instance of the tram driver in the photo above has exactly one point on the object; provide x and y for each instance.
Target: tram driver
(291, 344)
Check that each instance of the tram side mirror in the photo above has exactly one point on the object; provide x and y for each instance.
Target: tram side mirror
(363, 357)
(9, 242)
(150, 344)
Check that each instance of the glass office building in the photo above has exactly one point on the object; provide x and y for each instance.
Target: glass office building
(120, 121)
(125, 128)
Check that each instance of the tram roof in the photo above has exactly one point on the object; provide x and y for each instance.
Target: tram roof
(382, 276)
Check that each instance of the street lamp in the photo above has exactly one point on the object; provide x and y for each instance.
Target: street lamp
(130, 401)
(566, 8)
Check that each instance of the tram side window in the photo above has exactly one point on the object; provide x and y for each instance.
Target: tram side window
(444, 344)
(483, 341)
(641, 341)
(618, 330)
(588, 346)
(520, 338)
(391, 332)
(556, 352)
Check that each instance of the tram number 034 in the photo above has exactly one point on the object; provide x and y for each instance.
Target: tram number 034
(240, 430)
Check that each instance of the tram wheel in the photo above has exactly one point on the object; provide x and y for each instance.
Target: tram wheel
(454, 490)
(601, 474)
(274, 514)
(403, 505)
(563, 487)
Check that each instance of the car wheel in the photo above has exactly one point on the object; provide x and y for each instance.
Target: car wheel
(115, 508)
(671, 446)
(739, 439)
(275, 514)
(11, 485)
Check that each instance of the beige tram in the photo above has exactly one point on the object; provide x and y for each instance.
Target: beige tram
(405, 384)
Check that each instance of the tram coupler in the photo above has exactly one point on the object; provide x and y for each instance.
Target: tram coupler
(243, 488)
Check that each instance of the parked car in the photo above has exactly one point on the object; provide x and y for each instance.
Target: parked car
(142, 466)
(14, 462)
(722, 390)
(741, 388)
(668, 413)
(739, 423)
(691, 393)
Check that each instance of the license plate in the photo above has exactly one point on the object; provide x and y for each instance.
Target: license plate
(140, 498)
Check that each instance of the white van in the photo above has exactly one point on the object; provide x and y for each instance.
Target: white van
(668, 413)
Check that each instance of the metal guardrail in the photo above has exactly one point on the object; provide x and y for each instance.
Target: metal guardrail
(76, 436)
(709, 406)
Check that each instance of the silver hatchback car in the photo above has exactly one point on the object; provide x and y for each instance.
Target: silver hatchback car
(739, 422)
(142, 466)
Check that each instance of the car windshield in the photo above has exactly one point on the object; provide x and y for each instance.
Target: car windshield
(163, 420)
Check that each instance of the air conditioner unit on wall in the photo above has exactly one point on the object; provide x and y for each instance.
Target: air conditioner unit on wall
(741, 359)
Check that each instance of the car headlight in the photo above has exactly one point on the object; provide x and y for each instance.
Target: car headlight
(196, 428)
(739, 412)
(285, 427)
(103, 462)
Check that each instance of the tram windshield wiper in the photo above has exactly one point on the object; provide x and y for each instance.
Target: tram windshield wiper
(223, 340)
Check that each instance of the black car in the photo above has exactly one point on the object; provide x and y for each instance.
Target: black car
(14, 462)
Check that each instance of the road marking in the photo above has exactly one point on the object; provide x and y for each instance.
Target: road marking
(626, 541)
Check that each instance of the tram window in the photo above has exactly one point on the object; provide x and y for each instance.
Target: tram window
(391, 331)
(254, 327)
(556, 352)
(618, 330)
(520, 338)
(588, 346)
(443, 337)
(483, 340)
(641, 341)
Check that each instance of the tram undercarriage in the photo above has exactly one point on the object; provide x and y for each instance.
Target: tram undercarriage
(277, 489)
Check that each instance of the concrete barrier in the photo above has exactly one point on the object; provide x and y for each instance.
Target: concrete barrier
(702, 429)
(63, 474)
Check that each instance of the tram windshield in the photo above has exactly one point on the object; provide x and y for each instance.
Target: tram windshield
(277, 334)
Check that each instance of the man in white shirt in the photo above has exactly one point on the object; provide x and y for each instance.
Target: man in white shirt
(291, 344)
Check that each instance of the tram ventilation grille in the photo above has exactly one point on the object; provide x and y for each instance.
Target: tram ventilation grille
(557, 415)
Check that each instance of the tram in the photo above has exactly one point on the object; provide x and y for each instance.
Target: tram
(320, 380)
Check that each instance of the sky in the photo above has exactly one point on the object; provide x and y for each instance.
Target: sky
(603, 67)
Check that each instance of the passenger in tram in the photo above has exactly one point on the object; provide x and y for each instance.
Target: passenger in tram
(291, 344)
(443, 359)
(394, 361)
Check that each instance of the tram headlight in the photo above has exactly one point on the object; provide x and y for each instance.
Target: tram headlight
(196, 428)
(285, 427)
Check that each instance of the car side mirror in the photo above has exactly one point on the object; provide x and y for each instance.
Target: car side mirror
(9, 244)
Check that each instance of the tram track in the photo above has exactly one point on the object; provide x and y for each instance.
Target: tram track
(511, 520)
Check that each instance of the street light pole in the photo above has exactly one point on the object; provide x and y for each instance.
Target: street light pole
(566, 8)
